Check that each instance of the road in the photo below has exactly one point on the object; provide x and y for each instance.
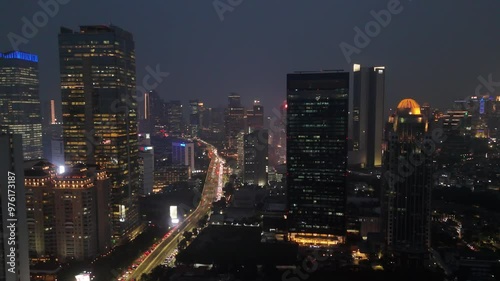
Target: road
(212, 191)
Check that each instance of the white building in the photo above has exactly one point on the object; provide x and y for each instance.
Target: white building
(183, 154)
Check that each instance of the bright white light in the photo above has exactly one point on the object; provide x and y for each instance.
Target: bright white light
(122, 213)
(83, 277)
(61, 169)
(173, 212)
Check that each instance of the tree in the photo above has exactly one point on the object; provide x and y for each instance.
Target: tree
(182, 244)
(188, 235)
(203, 221)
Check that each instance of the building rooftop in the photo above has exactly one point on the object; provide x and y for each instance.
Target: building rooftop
(410, 104)
(19, 56)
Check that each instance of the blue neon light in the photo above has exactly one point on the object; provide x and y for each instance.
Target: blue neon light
(20, 56)
(183, 144)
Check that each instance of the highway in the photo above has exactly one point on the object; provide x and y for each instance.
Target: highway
(212, 191)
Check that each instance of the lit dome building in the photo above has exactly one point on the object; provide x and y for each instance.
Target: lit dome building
(407, 184)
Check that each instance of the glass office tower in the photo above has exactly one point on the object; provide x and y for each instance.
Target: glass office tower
(317, 121)
(20, 110)
(100, 112)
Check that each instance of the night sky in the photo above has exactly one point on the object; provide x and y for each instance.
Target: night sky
(434, 50)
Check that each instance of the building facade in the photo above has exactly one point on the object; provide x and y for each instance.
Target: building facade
(317, 116)
(408, 184)
(97, 66)
(174, 118)
(81, 213)
(39, 178)
(255, 117)
(20, 109)
(255, 162)
(234, 122)
(183, 154)
(366, 118)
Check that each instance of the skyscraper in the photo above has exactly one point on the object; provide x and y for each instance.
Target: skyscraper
(146, 165)
(234, 121)
(20, 109)
(183, 154)
(196, 109)
(67, 214)
(14, 258)
(367, 116)
(81, 216)
(255, 162)
(317, 113)
(39, 181)
(174, 118)
(255, 117)
(100, 112)
(407, 184)
(153, 115)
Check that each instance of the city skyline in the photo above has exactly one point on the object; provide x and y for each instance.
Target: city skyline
(230, 67)
(197, 141)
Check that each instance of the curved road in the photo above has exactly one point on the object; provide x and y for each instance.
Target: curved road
(211, 191)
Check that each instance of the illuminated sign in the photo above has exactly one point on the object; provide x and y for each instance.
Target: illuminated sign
(61, 169)
(183, 144)
(83, 277)
(173, 214)
(20, 56)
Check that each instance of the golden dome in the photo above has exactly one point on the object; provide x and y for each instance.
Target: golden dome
(412, 105)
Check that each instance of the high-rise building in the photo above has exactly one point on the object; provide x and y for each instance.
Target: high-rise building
(367, 116)
(153, 116)
(39, 181)
(97, 66)
(57, 151)
(317, 116)
(255, 117)
(81, 213)
(20, 109)
(52, 136)
(67, 212)
(407, 184)
(277, 134)
(234, 122)
(166, 175)
(146, 164)
(217, 123)
(183, 154)
(255, 165)
(240, 152)
(14, 253)
(196, 109)
(174, 118)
